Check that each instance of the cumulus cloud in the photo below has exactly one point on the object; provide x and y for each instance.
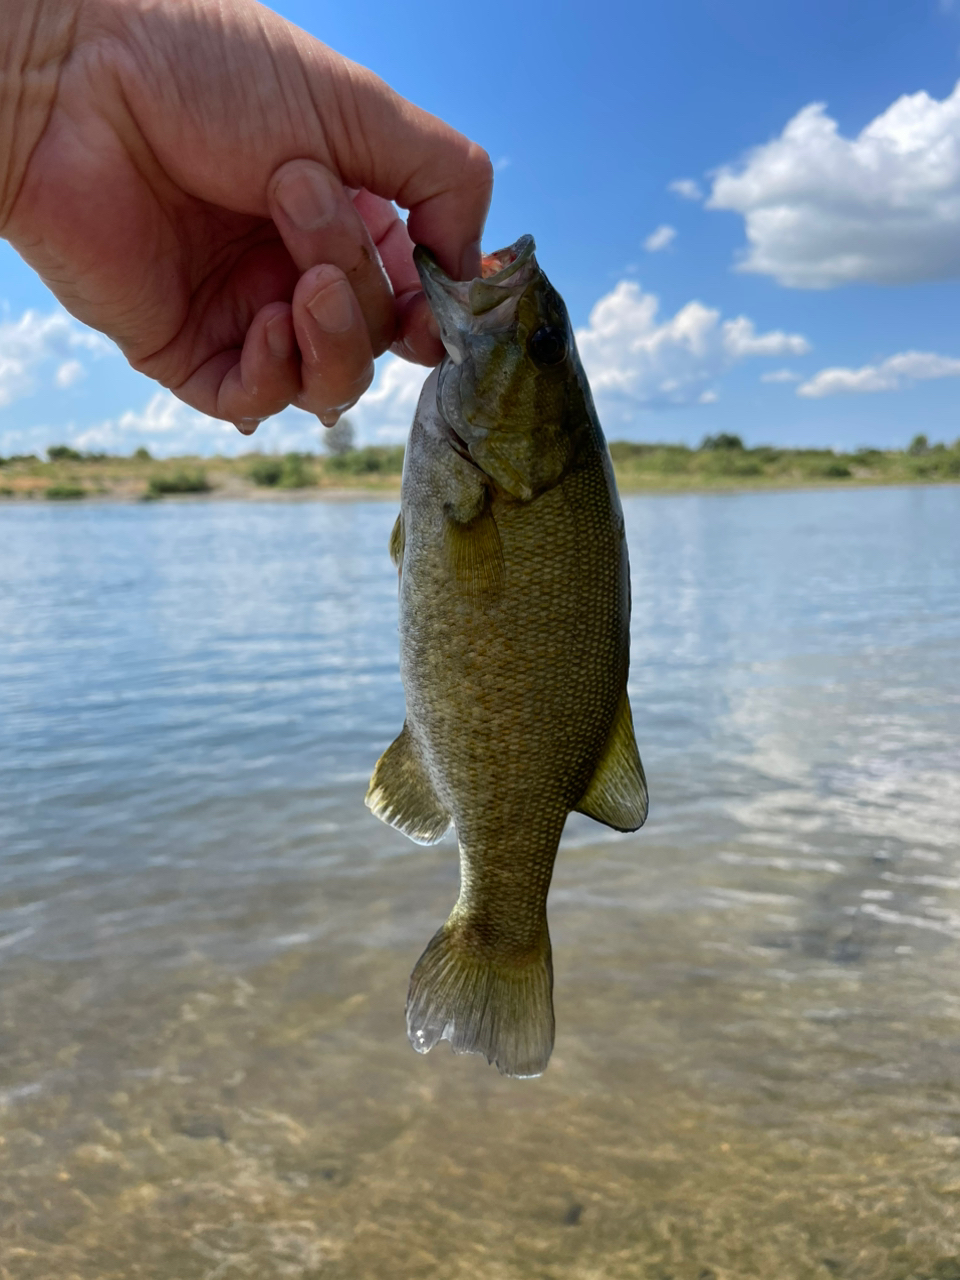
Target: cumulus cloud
(660, 239)
(780, 375)
(168, 427)
(883, 207)
(890, 375)
(633, 357)
(686, 188)
(385, 413)
(35, 340)
(70, 371)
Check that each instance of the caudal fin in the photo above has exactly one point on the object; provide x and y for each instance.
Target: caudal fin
(501, 1009)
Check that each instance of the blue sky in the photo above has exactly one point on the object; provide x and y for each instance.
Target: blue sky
(799, 287)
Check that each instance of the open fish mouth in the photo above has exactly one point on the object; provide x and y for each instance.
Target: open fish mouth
(483, 304)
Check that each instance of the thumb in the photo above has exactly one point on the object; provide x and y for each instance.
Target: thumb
(384, 143)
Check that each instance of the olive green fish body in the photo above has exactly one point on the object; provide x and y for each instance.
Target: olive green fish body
(514, 625)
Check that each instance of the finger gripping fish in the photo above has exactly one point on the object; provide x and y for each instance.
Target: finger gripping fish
(514, 626)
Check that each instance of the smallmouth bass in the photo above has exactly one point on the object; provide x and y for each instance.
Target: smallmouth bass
(514, 649)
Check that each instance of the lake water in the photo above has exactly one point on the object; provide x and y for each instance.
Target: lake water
(205, 938)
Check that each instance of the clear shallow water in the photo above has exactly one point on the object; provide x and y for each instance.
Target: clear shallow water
(205, 938)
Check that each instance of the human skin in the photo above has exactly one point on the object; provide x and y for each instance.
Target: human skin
(212, 188)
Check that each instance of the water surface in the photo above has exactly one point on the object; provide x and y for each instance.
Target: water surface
(205, 938)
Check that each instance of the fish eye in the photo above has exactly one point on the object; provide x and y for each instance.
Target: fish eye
(548, 345)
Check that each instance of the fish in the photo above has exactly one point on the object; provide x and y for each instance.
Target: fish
(514, 617)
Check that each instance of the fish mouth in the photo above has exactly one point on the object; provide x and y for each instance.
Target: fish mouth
(471, 306)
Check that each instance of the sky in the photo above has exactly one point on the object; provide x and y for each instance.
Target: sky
(752, 211)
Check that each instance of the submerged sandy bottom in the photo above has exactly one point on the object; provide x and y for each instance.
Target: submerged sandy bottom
(764, 1085)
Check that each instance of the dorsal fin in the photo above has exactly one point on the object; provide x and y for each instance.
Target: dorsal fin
(401, 794)
(617, 794)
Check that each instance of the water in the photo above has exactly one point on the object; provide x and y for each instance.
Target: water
(205, 938)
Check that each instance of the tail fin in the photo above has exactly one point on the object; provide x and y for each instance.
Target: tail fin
(501, 1009)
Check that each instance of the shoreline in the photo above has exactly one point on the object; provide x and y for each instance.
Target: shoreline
(348, 494)
(373, 474)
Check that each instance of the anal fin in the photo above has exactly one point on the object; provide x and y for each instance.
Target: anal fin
(402, 795)
(617, 794)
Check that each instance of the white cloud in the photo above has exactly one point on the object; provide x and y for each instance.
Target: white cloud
(660, 239)
(28, 344)
(883, 207)
(632, 357)
(890, 375)
(168, 427)
(503, 162)
(70, 371)
(741, 339)
(780, 375)
(385, 413)
(708, 397)
(686, 188)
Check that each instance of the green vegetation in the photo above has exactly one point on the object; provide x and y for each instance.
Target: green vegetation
(722, 462)
(375, 460)
(60, 492)
(292, 471)
(178, 482)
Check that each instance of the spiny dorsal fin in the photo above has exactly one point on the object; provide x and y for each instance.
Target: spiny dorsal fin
(401, 794)
(617, 794)
(476, 555)
(397, 540)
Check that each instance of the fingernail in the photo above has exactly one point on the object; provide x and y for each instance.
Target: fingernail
(432, 327)
(307, 196)
(332, 307)
(280, 339)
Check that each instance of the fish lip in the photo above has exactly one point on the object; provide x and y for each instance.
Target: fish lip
(456, 304)
(520, 253)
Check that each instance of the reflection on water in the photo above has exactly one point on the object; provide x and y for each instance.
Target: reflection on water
(205, 938)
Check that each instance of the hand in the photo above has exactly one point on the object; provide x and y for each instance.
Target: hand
(212, 188)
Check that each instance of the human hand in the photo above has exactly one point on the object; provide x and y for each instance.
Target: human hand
(211, 187)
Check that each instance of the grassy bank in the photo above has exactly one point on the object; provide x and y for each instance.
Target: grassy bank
(720, 463)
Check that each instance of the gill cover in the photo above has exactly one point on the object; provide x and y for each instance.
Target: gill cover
(511, 388)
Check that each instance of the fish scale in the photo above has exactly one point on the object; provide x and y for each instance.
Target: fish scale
(514, 626)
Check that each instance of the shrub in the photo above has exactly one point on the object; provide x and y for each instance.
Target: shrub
(142, 454)
(374, 460)
(835, 470)
(266, 471)
(723, 440)
(179, 482)
(61, 492)
(63, 453)
(294, 472)
(918, 446)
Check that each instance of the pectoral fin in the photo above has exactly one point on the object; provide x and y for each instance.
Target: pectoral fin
(475, 554)
(402, 795)
(397, 540)
(617, 794)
